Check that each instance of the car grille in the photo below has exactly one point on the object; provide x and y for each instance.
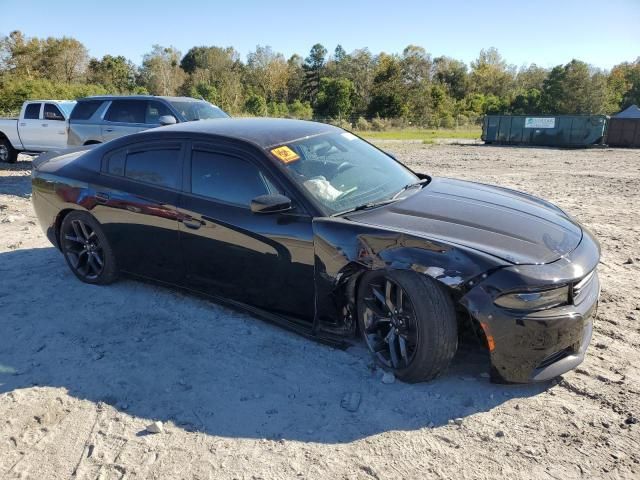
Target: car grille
(579, 289)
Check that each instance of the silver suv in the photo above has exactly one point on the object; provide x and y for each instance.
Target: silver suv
(100, 119)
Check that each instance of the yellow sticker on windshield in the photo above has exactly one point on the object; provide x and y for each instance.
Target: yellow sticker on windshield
(285, 154)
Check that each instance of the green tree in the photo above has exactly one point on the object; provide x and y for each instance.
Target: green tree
(268, 73)
(21, 56)
(624, 84)
(388, 93)
(314, 66)
(295, 78)
(490, 74)
(359, 67)
(218, 68)
(256, 105)
(416, 66)
(300, 110)
(573, 89)
(526, 102)
(452, 74)
(161, 73)
(205, 91)
(117, 74)
(64, 58)
(531, 77)
(335, 97)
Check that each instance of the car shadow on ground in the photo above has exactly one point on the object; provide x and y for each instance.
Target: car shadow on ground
(159, 354)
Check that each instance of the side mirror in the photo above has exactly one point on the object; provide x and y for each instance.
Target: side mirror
(273, 203)
(167, 120)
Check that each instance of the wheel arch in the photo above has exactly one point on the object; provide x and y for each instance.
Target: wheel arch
(60, 218)
(345, 250)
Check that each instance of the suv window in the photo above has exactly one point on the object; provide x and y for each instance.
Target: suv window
(32, 112)
(226, 178)
(51, 112)
(126, 111)
(154, 111)
(160, 166)
(85, 110)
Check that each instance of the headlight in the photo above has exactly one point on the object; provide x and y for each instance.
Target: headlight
(540, 300)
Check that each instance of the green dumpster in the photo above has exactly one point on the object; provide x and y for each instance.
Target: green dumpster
(552, 131)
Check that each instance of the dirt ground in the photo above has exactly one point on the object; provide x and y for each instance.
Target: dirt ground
(84, 369)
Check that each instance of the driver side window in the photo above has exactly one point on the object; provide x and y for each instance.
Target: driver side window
(51, 112)
(227, 178)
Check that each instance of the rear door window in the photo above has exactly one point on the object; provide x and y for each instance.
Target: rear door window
(154, 111)
(226, 178)
(115, 162)
(85, 110)
(159, 166)
(126, 111)
(32, 112)
(51, 112)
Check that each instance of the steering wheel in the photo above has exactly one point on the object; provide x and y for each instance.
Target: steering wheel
(344, 166)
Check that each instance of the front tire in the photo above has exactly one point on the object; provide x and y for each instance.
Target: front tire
(7, 152)
(86, 249)
(408, 322)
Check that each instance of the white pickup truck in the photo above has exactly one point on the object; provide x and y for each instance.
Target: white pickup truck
(42, 126)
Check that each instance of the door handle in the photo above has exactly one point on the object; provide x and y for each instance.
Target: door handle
(108, 130)
(23, 124)
(102, 197)
(192, 223)
(45, 124)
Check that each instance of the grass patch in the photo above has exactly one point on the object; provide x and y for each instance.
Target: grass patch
(426, 135)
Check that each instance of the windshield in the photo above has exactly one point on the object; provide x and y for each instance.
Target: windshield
(342, 171)
(66, 107)
(199, 110)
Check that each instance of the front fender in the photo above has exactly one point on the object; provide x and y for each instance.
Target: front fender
(345, 249)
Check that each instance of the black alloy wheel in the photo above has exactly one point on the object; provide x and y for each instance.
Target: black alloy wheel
(408, 321)
(86, 249)
(390, 326)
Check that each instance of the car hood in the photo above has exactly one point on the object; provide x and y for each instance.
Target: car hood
(507, 224)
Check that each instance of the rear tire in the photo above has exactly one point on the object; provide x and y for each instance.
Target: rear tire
(7, 152)
(422, 317)
(86, 249)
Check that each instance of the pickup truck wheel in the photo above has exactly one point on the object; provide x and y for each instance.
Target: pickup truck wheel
(408, 322)
(7, 152)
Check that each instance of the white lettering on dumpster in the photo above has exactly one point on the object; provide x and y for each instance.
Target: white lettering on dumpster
(539, 122)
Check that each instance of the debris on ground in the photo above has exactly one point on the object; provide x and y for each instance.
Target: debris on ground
(351, 401)
(155, 427)
(388, 378)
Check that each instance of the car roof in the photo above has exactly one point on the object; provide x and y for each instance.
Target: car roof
(264, 132)
(50, 101)
(138, 97)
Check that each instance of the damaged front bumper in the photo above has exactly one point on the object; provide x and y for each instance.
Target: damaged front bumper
(528, 346)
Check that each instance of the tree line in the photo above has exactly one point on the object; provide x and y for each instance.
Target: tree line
(362, 89)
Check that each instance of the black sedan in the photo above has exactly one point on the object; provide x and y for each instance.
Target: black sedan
(315, 229)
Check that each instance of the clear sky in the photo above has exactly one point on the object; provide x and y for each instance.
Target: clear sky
(546, 32)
